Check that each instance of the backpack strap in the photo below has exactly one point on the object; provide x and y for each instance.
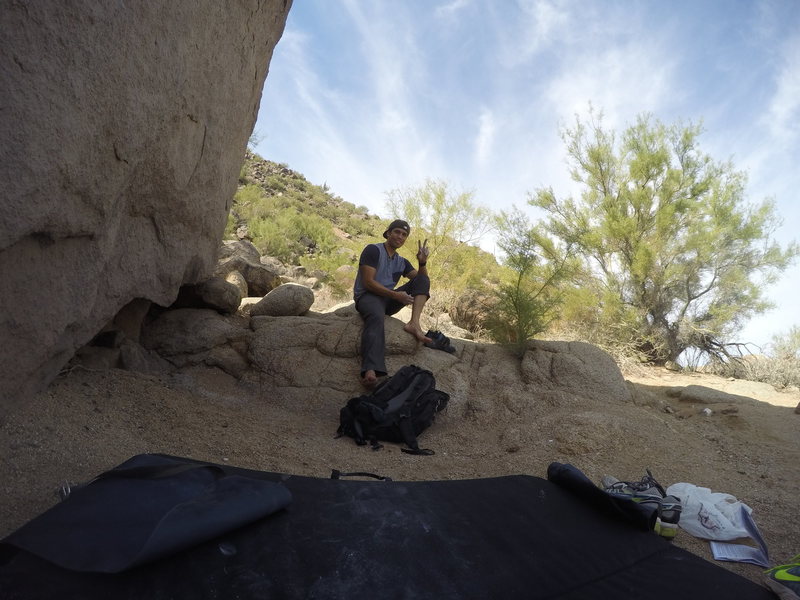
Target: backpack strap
(359, 432)
(410, 439)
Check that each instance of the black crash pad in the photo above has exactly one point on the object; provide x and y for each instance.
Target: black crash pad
(505, 537)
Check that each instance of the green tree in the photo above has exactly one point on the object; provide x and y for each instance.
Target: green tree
(529, 295)
(452, 223)
(672, 249)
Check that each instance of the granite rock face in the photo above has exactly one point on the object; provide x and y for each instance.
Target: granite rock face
(122, 131)
(316, 356)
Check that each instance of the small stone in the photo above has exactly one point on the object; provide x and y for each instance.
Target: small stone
(707, 412)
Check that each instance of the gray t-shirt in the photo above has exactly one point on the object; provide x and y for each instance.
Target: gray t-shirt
(388, 270)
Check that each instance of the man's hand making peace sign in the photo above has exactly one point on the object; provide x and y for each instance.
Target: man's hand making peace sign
(422, 252)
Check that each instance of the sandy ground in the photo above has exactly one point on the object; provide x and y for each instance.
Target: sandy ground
(89, 421)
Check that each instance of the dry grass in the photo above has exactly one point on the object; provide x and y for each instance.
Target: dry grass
(782, 373)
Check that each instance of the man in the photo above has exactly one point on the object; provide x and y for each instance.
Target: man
(379, 269)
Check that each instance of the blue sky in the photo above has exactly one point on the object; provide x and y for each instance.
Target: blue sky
(374, 95)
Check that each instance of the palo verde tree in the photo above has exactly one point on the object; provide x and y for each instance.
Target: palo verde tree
(452, 223)
(676, 255)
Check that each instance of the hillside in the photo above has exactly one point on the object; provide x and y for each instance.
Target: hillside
(305, 224)
(298, 222)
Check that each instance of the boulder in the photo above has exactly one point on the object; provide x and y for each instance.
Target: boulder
(215, 292)
(575, 368)
(446, 326)
(305, 352)
(219, 294)
(274, 264)
(243, 248)
(247, 305)
(261, 279)
(289, 299)
(122, 134)
(343, 309)
(316, 354)
(238, 280)
(187, 337)
(306, 355)
(243, 232)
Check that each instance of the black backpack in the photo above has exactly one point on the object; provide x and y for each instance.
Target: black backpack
(398, 410)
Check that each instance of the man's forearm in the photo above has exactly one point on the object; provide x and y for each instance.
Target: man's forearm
(376, 288)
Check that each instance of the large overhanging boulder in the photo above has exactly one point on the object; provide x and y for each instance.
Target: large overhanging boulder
(122, 131)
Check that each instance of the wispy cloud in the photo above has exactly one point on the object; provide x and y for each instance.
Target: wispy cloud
(485, 138)
(395, 72)
(783, 112)
(623, 81)
(449, 10)
(540, 23)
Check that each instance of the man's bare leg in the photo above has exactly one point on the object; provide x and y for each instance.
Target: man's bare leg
(413, 326)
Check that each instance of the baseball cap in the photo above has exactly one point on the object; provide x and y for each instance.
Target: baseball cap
(397, 224)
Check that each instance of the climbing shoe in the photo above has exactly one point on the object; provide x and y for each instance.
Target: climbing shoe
(647, 491)
(439, 341)
(784, 580)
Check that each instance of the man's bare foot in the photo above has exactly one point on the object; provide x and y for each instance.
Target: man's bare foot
(416, 332)
(369, 379)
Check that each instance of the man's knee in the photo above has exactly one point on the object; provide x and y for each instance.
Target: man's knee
(420, 285)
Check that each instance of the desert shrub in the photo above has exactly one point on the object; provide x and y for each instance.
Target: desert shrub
(230, 225)
(529, 298)
(289, 235)
(780, 367)
(243, 175)
(521, 312)
(780, 372)
(472, 308)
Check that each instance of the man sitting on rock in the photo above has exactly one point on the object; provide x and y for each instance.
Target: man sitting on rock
(379, 270)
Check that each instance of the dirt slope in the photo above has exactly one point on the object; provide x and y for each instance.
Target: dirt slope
(89, 421)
